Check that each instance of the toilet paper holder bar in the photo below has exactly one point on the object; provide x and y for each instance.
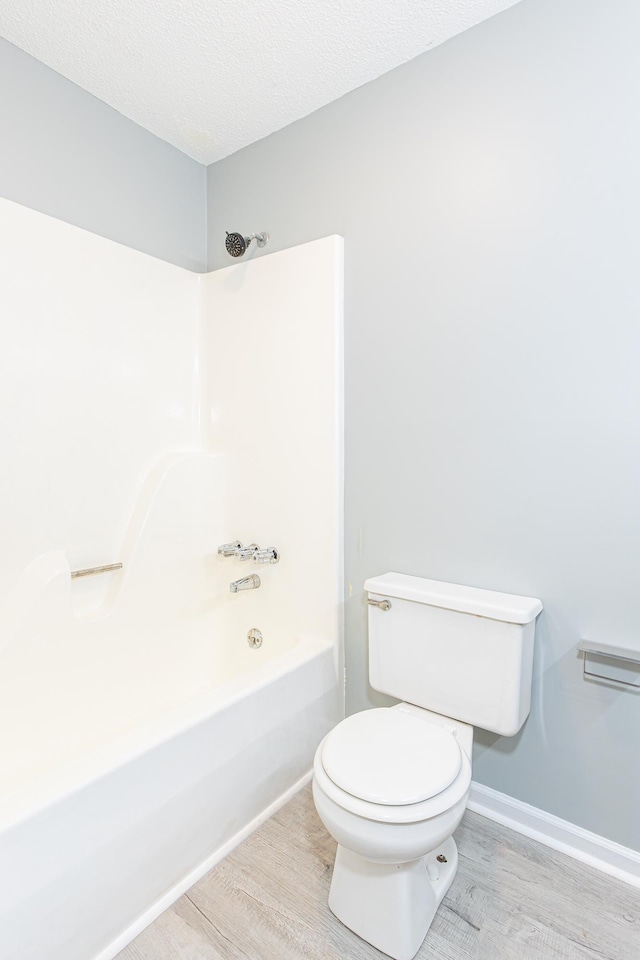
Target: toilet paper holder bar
(621, 657)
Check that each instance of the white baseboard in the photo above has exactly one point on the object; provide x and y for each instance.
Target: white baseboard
(605, 855)
(171, 895)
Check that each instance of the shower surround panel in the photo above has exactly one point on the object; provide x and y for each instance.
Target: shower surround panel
(153, 414)
(97, 382)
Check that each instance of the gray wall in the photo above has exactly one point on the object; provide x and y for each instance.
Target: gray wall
(489, 194)
(69, 155)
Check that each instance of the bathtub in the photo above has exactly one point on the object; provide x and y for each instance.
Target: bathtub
(141, 736)
(95, 848)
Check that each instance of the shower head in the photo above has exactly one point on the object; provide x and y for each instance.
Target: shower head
(237, 245)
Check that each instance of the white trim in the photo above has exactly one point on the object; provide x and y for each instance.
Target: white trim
(605, 855)
(171, 895)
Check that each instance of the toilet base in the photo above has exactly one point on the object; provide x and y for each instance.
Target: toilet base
(391, 906)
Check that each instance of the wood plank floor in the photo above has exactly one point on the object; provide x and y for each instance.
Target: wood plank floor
(512, 899)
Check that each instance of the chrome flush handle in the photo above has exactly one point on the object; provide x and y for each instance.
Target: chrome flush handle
(383, 604)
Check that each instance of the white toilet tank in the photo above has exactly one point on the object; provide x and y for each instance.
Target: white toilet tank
(459, 651)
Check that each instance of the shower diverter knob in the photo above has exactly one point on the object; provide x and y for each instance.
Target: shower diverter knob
(247, 553)
(270, 555)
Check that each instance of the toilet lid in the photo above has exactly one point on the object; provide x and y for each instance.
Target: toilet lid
(391, 757)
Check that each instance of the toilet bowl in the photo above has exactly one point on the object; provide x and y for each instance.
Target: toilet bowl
(391, 784)
(408, 783)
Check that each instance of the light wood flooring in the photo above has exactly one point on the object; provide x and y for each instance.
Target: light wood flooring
(511, 898)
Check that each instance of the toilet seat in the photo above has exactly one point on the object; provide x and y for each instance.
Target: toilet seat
(393, 813)
(390, 757)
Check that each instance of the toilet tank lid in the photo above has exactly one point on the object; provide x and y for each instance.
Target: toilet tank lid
(453, 596)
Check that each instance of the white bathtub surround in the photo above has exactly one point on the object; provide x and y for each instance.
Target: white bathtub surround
(96, 384)
(273, 399)
(170, 631)
(140, 734)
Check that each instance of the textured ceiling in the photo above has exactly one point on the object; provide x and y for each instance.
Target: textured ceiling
(211, 76)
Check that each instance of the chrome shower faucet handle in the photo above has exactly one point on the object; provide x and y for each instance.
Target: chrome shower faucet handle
(252, 552)
(229, 549)
(246, 553)
(269, 555)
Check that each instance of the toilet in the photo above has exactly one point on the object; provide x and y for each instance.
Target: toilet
(391, 784)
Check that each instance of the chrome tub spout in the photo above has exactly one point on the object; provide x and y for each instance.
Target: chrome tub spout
(252, 582)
